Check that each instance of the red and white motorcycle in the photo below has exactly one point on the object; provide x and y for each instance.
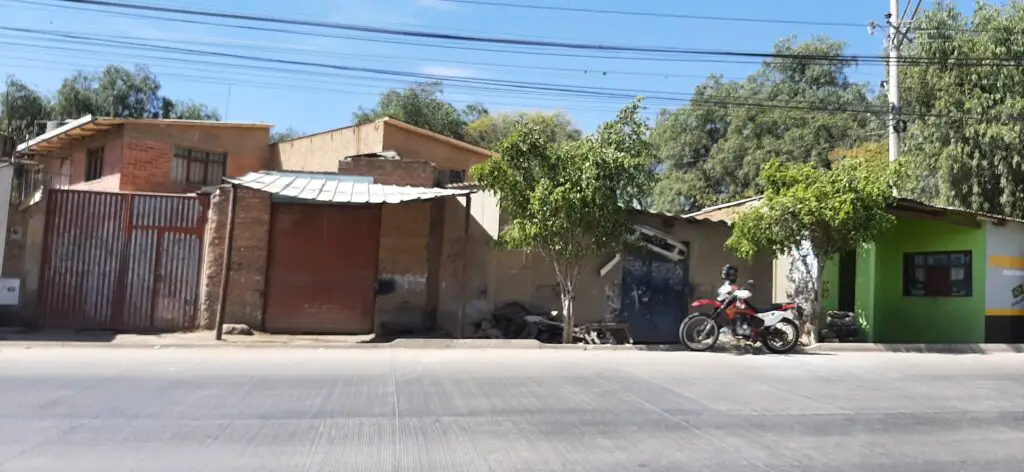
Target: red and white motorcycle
(776, 326)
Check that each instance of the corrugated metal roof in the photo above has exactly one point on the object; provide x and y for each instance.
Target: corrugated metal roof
(337, 188)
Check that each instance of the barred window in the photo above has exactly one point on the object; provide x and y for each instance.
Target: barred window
(198, 167)
(93, 164)
(937, 274)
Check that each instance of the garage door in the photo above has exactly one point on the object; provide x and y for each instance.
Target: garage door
(322, 269)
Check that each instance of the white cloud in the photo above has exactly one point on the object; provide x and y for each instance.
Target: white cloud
(449, 71)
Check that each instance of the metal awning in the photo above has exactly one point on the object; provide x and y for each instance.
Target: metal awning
(337, 188)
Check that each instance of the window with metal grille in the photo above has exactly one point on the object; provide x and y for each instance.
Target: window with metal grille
(198, 167)
(93, 164)
(937, 274)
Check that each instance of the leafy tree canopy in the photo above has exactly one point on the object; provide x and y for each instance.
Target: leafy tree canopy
(420, 105)
(569, 200)
(965, 137)
(488, 130)
(287, 134)
(712, 149)
(21, 108)
(831, 210)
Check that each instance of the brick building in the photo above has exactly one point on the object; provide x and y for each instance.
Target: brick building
(278, 225)
(143, 155)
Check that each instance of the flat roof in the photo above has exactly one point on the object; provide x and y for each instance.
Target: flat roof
(89, 125)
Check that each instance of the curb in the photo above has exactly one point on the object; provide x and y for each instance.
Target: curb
(517, 344)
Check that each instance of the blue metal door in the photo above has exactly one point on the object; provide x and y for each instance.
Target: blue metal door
(654, 297)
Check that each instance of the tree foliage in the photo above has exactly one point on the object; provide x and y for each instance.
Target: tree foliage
(115, 92)
(832, 211)
(419, 105)
(21, 108)
(287, 134)
(965, 137)
(712, 149)
(569, 200)
(488, 130)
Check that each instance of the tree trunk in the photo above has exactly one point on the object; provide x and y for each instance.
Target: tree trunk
(567, 314)
(812, 327)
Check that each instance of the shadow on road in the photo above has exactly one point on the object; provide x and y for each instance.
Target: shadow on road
(57, 336)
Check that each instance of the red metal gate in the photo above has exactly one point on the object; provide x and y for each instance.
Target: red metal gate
(121, 261)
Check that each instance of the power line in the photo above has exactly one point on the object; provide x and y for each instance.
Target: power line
(650, 14)
(849, 59)
(536, 86)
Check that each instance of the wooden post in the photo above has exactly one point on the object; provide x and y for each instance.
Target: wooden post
(226, 265)
(462, 278)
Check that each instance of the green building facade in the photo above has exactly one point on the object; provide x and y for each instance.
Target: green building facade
(938, 276)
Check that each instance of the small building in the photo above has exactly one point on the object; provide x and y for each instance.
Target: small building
(940, 275)
(105, 228)
(391, 233)
(649, 288)
(148, 155)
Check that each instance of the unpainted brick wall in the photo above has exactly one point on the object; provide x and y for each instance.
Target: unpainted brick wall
(248, 265)
(405, 246)
(391, 171)
(147, 167)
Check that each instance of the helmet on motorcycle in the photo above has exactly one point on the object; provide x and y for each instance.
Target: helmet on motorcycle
(730, 273)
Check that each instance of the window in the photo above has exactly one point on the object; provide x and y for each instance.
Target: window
(451, 176)
(196, 167)
(93, 164)
(937, 274)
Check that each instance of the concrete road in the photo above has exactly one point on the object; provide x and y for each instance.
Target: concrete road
(512, 410)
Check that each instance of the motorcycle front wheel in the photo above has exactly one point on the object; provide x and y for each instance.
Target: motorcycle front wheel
(699, 332)
(781, 337)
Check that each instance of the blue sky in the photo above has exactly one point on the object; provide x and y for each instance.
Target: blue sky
(311, 99)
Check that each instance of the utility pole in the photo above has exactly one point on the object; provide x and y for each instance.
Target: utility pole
(893, 82)
(899, 31)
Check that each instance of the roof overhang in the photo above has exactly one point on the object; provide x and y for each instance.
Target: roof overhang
(89, 125)
(339, 189)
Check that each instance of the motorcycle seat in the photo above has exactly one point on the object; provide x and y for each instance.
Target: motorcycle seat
(765, 308)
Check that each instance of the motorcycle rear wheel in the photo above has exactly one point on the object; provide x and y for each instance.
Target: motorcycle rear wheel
(786, 345)
(689, 328)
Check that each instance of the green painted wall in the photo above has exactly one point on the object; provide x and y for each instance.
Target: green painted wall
(864, 296)
(899, 319)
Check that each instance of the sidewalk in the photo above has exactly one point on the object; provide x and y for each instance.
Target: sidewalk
(13, 339)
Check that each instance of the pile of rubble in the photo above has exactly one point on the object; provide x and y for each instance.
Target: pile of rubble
(516, 321)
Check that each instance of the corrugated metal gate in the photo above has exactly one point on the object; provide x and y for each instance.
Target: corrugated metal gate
(121, 261)
(654, 297)
(322, 269)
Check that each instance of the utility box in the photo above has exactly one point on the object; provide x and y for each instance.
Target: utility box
(10, 291)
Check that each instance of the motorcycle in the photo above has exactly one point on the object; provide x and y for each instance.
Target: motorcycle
(779, 333)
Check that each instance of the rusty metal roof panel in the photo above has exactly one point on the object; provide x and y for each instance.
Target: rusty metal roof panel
(337, 188)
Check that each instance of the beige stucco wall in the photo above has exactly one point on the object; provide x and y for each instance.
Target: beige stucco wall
(467, 250)
(321, 152)
(424, 146)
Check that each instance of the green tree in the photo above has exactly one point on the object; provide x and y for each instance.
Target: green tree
(569, 200)
(965, 138)
(712, 149)
(21, 108)
(488, 130)
(187, 110)
(286, 134)
(115, 91)
(419, 105)
(829, 211)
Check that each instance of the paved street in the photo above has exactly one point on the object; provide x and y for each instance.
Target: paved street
(271, 409)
